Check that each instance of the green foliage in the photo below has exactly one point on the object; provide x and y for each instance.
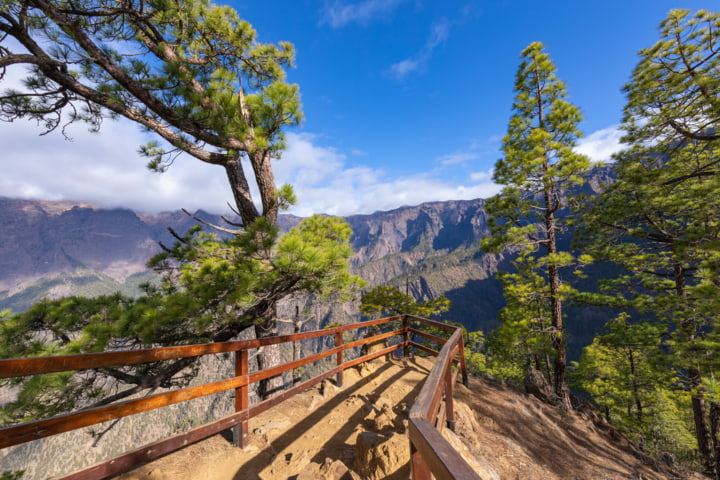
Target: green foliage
(674, 91)
(475, 359)
(538, 166)
(523, 336)
(627, 374)
(211, 290)
(389, 301)
(14, 475)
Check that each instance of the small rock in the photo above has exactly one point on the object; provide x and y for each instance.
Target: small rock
(315, 400)
(363, 369)
(535, 384)
(275, 424)
(156, 474)
(668, 459)
(328, 389)
(378, 456)
(383, 421)
(334, 470)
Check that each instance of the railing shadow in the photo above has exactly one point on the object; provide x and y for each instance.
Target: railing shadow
(426, 441)
(257, 464)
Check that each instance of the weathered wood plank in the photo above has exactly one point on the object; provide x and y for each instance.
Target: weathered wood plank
(426, 402)
(25, 432)
(433, 323)
(444, 462)
(424, 348)
(429, 336)
(18, 367)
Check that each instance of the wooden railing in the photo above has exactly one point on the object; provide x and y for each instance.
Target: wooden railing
(431, 453)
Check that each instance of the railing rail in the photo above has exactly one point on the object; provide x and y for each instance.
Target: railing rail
(426, 446)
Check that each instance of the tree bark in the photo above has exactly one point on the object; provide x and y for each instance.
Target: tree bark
(556, 336)
(270, 356)
(635, 387)
(702, 432)
(715, 435)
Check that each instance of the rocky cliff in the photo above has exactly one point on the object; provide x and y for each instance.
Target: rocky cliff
(52, 249)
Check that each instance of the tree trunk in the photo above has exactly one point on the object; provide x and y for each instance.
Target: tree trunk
(556, 336)
(270, 357)
(267, 326)
(635, 387)
(715, 435)
(702, 433)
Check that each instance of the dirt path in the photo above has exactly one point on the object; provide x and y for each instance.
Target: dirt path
(312, 435)
(359, 432)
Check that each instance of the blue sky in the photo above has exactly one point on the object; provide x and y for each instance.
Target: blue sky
(405, 101)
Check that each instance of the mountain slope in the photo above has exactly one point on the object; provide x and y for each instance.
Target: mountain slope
(52, 249)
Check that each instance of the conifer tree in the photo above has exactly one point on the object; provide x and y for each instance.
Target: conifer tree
(211, 290)
(538, 165)
(659, 221)
(627, 373)
(664, 235)
(674, 93)
(523, 337)
(190, 72)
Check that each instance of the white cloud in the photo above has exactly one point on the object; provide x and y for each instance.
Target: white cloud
(439, 33)
(339, 14)
(103, 168)
(457, 158)
(336, 189)
(402, 69)
(106, 169)
(602, 144)
(482, 176)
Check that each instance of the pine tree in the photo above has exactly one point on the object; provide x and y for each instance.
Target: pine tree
(190, 72)
(523, 337)
(539, 164)
(674, 93)
(211, 290)
(659, 221)
(627, 373)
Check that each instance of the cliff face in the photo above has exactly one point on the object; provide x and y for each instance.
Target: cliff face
(51, 249)
(432, 249)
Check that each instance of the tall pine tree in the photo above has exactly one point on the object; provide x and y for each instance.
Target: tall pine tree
(660, 220)
(539, 164)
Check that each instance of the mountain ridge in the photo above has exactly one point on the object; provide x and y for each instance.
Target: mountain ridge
(428, 249)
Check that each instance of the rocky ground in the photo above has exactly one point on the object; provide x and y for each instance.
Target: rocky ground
(359, 432)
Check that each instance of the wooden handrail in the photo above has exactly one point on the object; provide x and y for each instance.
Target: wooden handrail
(430, 452)
(18, 367)
(426, 446)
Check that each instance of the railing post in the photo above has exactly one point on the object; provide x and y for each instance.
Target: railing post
(241, 436)
(449, 407)
(338, 343)
(406, 337)
(463, 365)
(419, 470)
